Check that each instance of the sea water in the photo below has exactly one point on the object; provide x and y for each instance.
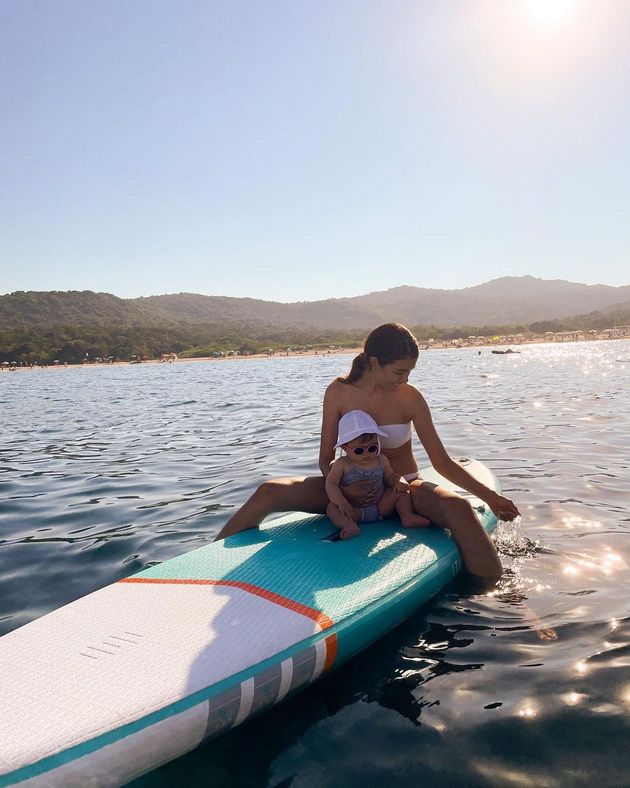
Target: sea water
(107, 470)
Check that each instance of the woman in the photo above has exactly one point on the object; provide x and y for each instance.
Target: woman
(377, 383)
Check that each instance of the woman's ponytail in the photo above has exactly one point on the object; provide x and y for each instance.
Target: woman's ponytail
(387, 343)
(359, 363)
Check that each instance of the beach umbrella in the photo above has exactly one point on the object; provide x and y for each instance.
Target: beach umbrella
(56, 361)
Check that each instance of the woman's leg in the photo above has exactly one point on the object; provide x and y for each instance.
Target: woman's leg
(278, 495)
(451, 511)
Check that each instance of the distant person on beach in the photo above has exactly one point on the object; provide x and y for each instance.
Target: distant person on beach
(378, 384)
(363, 461)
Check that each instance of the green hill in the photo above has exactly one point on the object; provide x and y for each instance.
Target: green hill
(38, 327)
(508, 300)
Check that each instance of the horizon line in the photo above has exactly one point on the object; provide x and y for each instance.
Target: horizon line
(317, 300)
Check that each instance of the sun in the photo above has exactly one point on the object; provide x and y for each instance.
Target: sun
(549, 12)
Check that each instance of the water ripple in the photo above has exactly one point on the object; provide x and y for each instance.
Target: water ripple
(104, 471)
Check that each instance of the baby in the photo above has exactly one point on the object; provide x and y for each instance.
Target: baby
(358, 437)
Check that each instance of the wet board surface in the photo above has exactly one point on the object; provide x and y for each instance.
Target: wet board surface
(137, 673)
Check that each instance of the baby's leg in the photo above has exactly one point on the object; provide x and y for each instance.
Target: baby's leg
(392, 501)
(346, 525)
(387, 502)
(408, 518)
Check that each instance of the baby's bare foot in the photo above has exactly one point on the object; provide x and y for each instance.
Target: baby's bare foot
(348, 531)
(414, 521)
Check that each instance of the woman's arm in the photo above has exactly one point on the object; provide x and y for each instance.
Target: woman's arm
(451, 470)
(391, 478)
(330, 422)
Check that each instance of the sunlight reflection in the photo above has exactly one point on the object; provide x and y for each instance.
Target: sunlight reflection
(608, 564)
(614, 560)
(582, 668)
(384, 544)
(573, 698)
(573, 521)
(437, 646)
(527, 709)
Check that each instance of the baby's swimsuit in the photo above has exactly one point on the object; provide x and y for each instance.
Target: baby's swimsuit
(369, 513)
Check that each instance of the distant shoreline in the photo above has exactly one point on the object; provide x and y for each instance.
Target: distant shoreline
(301, 354)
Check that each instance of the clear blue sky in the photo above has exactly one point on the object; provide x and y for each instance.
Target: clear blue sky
(293, 150)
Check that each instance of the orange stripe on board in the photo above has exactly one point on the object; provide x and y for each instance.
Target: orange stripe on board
(331, 652)
(297, 607)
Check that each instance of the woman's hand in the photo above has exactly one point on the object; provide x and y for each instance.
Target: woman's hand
(360, 493)
(503, 507)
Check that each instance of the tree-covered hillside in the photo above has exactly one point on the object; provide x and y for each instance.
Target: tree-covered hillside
(73, 343)
(505, 301)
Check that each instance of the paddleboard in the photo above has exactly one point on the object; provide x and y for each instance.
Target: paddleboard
(133, 675)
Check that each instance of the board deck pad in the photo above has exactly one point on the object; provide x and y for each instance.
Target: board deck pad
(147, 668)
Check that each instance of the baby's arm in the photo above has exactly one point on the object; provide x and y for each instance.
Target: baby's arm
(391, 478)
(332, 487)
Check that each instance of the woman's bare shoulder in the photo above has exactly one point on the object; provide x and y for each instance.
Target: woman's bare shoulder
(411, 392)
(336, 390)
(414, 398)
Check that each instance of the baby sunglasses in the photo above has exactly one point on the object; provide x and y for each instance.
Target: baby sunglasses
(372, 449)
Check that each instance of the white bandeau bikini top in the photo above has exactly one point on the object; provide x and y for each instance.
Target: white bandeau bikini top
(397, 435)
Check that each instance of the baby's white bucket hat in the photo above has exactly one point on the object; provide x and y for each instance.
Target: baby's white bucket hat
(355, 423)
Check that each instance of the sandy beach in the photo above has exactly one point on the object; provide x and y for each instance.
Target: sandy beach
(486, 347)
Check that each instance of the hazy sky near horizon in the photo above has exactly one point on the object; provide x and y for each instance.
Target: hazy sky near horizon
(294, 150)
